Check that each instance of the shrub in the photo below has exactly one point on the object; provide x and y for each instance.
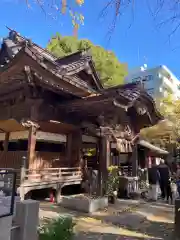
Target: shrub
(112, 181)
(57, 229)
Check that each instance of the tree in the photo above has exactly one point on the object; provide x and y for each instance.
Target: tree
(55, 8)
(167, 131)
(164, 11)
(111, 71)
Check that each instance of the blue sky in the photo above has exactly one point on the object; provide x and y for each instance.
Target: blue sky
(143, 40)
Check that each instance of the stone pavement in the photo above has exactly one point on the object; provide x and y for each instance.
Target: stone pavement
(127, 219)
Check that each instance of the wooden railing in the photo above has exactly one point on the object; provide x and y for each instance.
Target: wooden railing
(51, 175)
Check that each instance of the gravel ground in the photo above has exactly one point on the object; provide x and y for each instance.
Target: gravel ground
(125, 220)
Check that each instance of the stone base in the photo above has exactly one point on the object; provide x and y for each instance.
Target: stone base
(135, 195)
(85, 204)
(177, 219)
(5, 228)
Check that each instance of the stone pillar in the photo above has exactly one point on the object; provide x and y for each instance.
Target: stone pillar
(27, 218)
(58, 195)
(5, 228)
(177, 219)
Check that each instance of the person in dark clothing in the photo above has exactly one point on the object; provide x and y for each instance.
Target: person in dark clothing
(165, 183)
(153, 175)
(169, 192)
(178, 178)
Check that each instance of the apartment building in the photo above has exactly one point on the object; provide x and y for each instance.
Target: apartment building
(158, 81)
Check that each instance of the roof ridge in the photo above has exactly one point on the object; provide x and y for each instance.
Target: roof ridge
(30, 42)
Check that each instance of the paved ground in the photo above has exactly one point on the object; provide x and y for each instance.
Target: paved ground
(126, 219)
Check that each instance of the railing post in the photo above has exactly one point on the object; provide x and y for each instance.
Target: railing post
(22, 178)
(59, 173)
(23, 174)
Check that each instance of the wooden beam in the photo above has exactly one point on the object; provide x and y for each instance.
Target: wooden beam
(89, 139)
(19, 135)
(2, 136)
(50, 137)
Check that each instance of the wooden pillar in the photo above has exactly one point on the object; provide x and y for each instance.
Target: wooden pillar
(74, 145)
(135, 161)
(6, 141)
(31, 146)
(68, 149)
(104, 163)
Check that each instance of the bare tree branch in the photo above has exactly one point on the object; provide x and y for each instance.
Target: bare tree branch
(163, 11)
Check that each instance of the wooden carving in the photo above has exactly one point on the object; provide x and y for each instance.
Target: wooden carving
(141, 109)
(29, 123)
(127, 131)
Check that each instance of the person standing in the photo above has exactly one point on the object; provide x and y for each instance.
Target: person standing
(178, 178)
(153, 175)
(165, 183)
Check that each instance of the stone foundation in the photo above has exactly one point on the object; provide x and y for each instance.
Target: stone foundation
(87, 205)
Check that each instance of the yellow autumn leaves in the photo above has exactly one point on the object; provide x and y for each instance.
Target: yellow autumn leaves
(77, 18)
(65, 5)
(80, 2)
(112, 168)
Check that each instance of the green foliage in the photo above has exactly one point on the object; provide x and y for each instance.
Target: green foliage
(112, 181)
(90, 152)
(57, 229)
(167, 131)
(111, 71)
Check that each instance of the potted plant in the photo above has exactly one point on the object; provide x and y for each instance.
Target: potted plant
(112, 183)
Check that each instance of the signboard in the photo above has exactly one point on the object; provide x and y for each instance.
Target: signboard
(15, 135)
(7, 192)
(89, 139)
(52, 137)
(46, 136)
(18, 135)
(2, 136)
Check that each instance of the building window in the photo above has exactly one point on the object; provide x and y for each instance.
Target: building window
(136, 79)
(143, 78)
(167, 89)
(159, 75)
(150, 91)
(149, 77)
(165, 93)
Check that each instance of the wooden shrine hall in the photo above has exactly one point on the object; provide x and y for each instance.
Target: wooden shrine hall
(53, 107)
